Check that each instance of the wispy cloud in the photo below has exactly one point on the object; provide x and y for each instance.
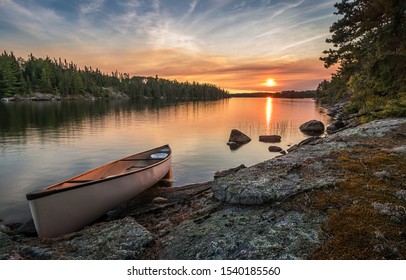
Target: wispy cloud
(30, 22)
(282, 8)
(23, 16)
(91, 7)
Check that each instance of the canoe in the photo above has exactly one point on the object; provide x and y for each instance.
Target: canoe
(72, 204)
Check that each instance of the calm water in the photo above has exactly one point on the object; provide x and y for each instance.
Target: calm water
(46, 142)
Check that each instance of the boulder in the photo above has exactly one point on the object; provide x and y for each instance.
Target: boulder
(335, 126)
(238, 137)
(270, 138)
(312, 127)
(275, 149)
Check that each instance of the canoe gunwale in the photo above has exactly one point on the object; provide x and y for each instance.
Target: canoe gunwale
(49, 191)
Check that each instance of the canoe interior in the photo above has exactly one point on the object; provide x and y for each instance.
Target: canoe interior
(126, 165)
(120, 167)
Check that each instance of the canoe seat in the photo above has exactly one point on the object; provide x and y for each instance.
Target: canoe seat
(159, 155)
(156, 156)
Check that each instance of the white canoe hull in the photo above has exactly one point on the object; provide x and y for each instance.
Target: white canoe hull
(74, 208)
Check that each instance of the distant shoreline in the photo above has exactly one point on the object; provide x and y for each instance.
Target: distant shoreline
(282, 94)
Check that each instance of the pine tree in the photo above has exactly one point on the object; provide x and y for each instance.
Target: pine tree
(370, 47)
(10, 75)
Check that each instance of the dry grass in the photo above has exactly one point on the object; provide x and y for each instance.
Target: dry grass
(355, 228)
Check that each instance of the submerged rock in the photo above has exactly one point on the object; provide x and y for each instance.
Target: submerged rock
(270, 138)
(275, 149)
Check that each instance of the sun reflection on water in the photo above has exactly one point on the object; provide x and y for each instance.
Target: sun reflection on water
(268, 111)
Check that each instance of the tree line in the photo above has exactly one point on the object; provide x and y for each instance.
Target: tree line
(369, 46)
(281, 94)
(65, 79)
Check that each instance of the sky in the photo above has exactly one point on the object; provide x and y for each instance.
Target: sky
(238, 45)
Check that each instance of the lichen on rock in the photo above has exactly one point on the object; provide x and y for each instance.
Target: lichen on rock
(237, 233)
(119, 239)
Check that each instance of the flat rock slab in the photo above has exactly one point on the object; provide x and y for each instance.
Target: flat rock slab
(276, 179)
(236, 233)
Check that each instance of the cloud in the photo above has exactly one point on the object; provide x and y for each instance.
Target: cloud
(91, 7)
(35, 26)
(192, 7)
(282, 8)
(26, 17)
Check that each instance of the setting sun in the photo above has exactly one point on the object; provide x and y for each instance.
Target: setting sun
(270, 82)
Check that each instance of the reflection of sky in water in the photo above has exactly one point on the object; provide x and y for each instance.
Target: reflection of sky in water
(34, 156)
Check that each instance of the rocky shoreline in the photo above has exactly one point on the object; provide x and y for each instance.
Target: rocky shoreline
(109, 93)
(338, 197)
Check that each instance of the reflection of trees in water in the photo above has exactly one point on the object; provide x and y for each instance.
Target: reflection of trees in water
(66, 119)
(18, 116)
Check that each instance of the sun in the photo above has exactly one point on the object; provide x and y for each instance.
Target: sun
(270, 83)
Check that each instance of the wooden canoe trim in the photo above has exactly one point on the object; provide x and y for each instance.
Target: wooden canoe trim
(132, 159)
(78, 181)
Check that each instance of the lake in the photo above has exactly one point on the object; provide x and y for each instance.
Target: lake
(42, 143)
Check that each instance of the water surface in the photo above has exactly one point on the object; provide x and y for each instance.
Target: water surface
(46, 142)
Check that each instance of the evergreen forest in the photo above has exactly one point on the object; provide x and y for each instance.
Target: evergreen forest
(281, 94)
(369, 47)
(20, 77)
